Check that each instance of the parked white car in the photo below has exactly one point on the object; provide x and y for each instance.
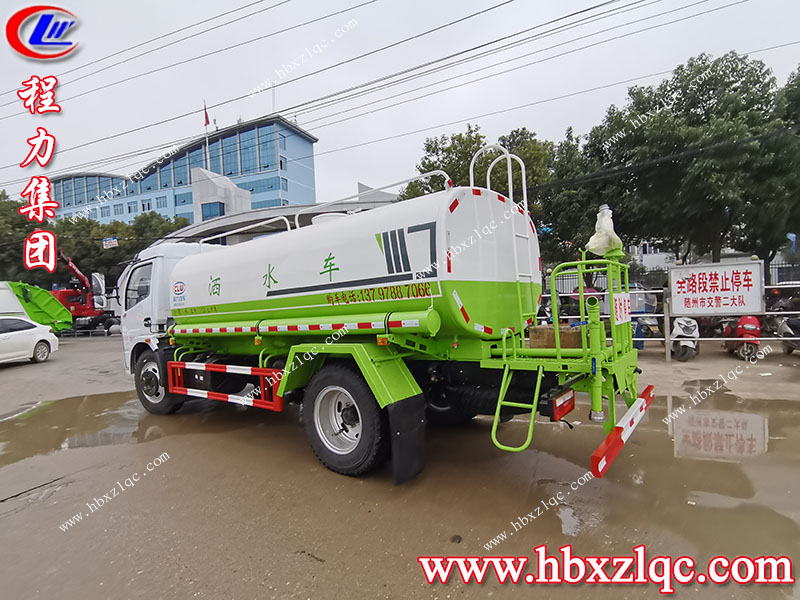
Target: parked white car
(21, 338)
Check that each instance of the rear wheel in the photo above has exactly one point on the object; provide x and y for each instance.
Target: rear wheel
(150, 386)
(345, 426)
(41, 352)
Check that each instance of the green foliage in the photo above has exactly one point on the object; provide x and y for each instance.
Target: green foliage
(81, 240)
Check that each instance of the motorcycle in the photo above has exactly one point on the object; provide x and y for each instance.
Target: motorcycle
(685, 334)
(790, 328)
(747, 334)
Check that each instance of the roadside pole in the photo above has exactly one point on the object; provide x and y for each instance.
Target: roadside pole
(667, 344)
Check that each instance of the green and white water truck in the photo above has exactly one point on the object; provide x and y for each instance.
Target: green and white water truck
(378, 322)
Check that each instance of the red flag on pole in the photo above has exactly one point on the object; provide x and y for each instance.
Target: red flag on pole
(205, 112)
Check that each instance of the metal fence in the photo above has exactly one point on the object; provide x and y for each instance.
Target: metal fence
(645, 305)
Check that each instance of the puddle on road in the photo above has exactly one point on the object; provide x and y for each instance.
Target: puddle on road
(106, 419)
(722, 478)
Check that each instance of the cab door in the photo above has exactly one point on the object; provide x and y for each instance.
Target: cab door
(137, 303)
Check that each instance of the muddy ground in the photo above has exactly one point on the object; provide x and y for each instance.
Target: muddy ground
(240, 508)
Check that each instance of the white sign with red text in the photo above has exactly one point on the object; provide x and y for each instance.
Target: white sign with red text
(730, 288)
(622, 308)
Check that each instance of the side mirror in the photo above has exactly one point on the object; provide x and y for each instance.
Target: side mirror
(147, 322)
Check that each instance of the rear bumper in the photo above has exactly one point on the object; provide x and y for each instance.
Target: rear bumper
(608, 450)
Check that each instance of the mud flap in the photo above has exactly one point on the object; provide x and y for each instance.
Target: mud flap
(407, 425)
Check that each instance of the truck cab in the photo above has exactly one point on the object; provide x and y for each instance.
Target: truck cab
(144, 296)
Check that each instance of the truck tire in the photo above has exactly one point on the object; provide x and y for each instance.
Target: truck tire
(150, 386)
(41, 352)
(109, 323)
(346, 428)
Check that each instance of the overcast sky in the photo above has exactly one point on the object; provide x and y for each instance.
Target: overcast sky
(107, 27)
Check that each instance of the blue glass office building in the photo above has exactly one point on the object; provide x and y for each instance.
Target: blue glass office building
(270, 157)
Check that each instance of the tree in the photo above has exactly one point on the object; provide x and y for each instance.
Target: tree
(451, 154)
(79, 239)
(701, 198)
(568, 213)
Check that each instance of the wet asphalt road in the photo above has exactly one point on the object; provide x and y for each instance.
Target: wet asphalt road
(242, 509)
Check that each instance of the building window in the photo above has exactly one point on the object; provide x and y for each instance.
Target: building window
(230, 155)
(56, 188)
(262, 185)
(91, 188)
(214, 163)
(132, 187)
(93, 214)
(183, 199)
(166, 175)
(283, 163)
(249, 150)
(284, 184)
(281, 141)
(132, 208)
(146, 205)
(119, 209)
(265, 203)
(161, 202)
(105, 187)
(181, 174)
(266, 148)
(105, 211)
(68, 192)
(188, 216)
(118, 185)
(212, 209)
(79, 190)
(197, 159)
(150, 182)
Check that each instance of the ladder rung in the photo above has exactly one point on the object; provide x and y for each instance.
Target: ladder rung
(517, 405)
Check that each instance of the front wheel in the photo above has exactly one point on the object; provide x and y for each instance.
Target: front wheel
(685, 353)
(346, 428)
(746, 351)
(150, 386)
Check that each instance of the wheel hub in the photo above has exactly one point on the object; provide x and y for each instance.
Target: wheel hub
(150, 384)
(337, 420)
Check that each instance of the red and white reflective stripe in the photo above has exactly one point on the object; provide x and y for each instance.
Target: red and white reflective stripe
(243, 400)
(608, 450)
(184, 330)
(449, 262)
(371, 325)
(501, 197)
(483, 329)
(454, 205)
(461, 306)
(220, 368)
(476, 192)
(406, 323)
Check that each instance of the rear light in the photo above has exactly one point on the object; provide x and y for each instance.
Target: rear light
(563, 404)
(51, 330)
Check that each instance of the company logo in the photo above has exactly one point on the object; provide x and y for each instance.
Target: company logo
(40, 31)
(178, 288)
